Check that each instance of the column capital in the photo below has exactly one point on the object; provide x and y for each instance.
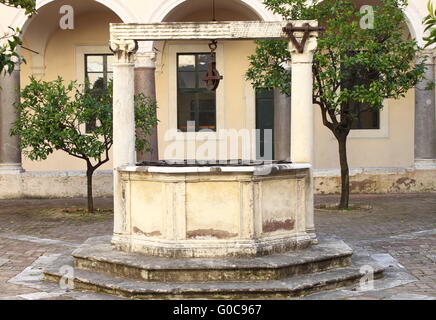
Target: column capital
(302, 38)
(124, 50)
(309, 49)
(145, 59)
(430, 54)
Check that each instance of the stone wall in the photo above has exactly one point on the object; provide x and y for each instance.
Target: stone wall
(377, 180)
(61, 184)
(54, 184)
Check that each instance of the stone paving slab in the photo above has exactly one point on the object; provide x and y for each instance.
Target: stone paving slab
(400, 226)
(3, 261)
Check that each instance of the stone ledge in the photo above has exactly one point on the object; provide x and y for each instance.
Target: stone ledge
(69, 184)
(99, 256)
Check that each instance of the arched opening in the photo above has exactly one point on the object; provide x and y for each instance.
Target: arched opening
(202, 10)
(225, 108)
(73, 54)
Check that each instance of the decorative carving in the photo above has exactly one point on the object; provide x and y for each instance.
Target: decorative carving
(124, 50)
(145, 59)
(310, 47)
(302, 51)
(429, 55)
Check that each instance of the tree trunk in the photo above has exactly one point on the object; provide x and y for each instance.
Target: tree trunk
(89, 173)
(345, 172)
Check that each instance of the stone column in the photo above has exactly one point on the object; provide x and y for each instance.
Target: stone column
(124, 153)
(10, 154)
(282, 126)
(302, 118)
(145, 67)
(425, 127)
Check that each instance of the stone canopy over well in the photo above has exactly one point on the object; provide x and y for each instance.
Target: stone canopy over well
(179, 213)
(197, 230)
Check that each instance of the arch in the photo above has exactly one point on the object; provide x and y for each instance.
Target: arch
(414, 21)
(21, 20)
(164, 9)
(169, 5)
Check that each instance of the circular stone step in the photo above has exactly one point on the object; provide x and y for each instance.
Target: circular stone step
(273, 289)
(97, 255)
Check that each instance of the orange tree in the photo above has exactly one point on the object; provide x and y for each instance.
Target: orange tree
(352, 64)
(53, 116)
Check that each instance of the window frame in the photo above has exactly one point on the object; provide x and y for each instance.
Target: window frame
(105, 65)
(356, 103)
(171, 61)
(79, 61)
(197, 90)
(90, 126)
(382, 132)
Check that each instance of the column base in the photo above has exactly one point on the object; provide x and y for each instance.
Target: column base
(425, 164)
(312, 234)
(11, 168)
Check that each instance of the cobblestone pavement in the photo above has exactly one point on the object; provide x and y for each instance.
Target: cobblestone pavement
(403, 226)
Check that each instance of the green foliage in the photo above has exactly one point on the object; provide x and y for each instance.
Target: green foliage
(8, 50)
(10, 41)
(52, 116)
(430, 22)
(353, 63)
(145, 120)
(379, 56)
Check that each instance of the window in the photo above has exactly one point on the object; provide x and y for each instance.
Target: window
(265, 121)
(364, 116)
(98, 71)
(194, 101)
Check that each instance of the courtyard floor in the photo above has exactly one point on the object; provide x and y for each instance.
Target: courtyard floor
(400, 228)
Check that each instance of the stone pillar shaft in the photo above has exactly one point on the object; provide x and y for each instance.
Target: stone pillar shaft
(302, 120)
(10, 153)
(425, 126)
(282, 126)
(145, 83)
(124, 153)
(124, 115)
(302, 112)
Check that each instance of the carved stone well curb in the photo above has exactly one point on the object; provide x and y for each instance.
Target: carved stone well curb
(214, 211)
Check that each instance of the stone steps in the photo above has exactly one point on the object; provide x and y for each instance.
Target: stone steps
(286, 288)
(99, 267)
(99, 256)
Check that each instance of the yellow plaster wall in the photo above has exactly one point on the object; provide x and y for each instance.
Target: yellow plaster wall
(92, 29)
(395, 150)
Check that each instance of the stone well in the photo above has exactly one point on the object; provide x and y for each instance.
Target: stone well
(214, 210)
